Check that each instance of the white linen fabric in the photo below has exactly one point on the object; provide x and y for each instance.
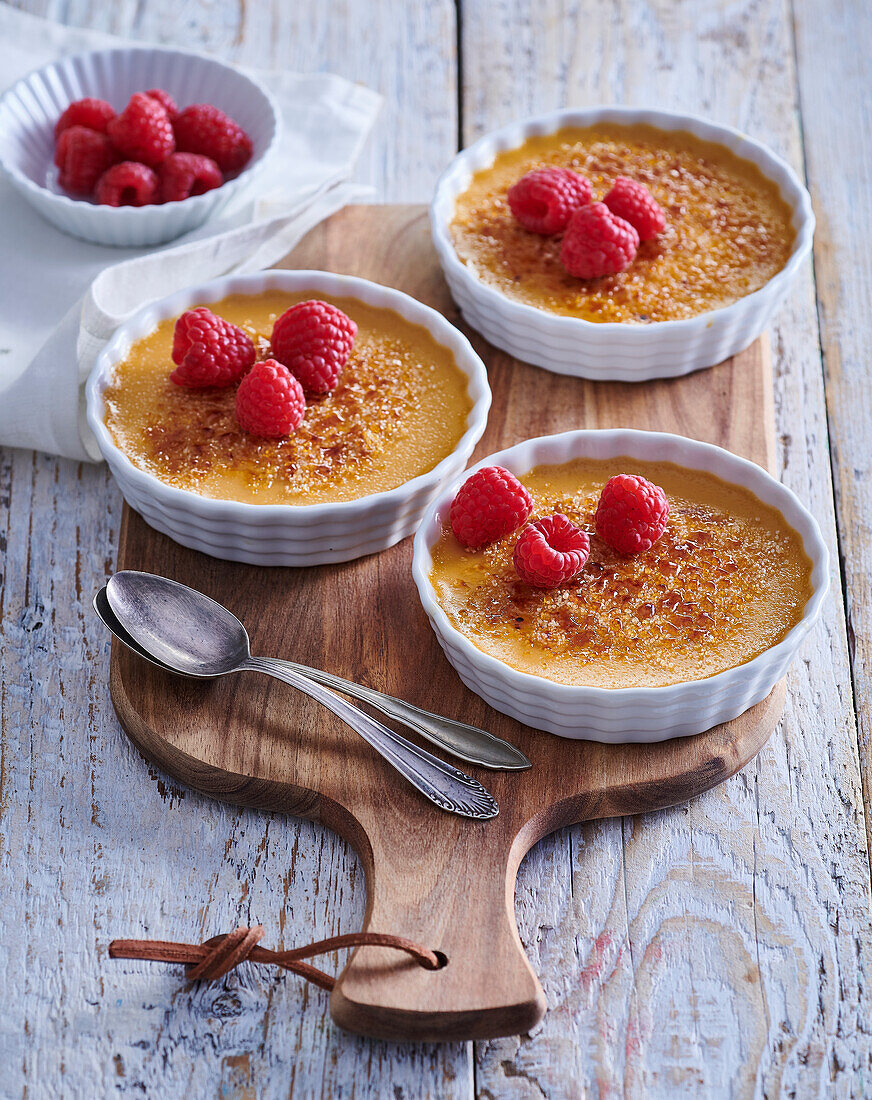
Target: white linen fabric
(61, 298)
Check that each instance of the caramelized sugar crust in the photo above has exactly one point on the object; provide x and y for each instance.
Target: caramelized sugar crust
(727, 229)
(400, 407)
(728, 579)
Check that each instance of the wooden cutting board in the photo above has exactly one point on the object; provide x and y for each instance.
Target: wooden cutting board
(441, 880)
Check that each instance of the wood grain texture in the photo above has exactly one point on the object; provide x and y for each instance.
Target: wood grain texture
(721, 950)
(431, 877)
(78, 851)
(838, 162)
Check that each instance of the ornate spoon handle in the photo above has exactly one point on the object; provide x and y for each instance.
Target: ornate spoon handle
(446, 786)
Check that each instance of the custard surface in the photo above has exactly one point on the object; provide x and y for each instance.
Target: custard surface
(728, 231)
(400, 407)
(727, 579)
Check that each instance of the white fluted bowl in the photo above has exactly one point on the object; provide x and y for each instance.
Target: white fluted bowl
(32, 106)
(624, 352)
(623, 714)
(286, 534)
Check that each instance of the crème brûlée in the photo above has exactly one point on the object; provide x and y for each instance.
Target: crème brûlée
(727, 579)
(400, 406)
(728, 231)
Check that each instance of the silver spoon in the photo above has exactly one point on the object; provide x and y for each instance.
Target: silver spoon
(192, 635)
(469, 743)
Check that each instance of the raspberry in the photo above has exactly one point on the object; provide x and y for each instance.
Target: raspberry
(128, 184)
(204, 129)
(631, 514)
(550, 552)
(314, 339)
(633, 202)
(186, 174)
(165, 100)
(143, 131)
(83, 156)
(597, 243)
(270, 401)
(544, 200)
(489, 505)
(95, 114)
(209, 351)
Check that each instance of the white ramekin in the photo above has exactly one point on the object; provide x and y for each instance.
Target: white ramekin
(630, 353)
(283, 534)
(32, 106)
(623, 714)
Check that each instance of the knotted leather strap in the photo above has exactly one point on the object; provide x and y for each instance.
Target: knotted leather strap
(213, 959)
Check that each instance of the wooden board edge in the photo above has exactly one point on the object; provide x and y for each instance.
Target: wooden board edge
(233, 788)
(624, 799)
(379, 1022)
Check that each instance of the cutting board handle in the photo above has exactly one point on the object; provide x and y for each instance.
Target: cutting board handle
(459, 902)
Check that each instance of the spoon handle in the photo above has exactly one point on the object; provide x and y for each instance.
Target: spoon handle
(446, 786)
(466, 742)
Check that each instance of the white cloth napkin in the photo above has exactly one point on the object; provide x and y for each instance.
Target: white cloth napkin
(61, 299)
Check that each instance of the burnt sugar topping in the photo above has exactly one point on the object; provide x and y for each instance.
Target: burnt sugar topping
(727, 579)
(726, 230)
(399, 406)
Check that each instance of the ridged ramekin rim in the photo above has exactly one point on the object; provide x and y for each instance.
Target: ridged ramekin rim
(572, 696)
(138, 214)
(349, 286)
(514, 134)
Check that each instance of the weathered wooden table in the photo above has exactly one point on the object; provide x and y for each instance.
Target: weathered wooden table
(723, 948)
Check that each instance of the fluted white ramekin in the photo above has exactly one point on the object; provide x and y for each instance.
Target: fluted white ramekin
(623, 714)
(32, 106)
(285, 534)
(625, 352)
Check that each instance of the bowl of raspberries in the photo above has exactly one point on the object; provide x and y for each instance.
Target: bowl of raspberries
(134, 147)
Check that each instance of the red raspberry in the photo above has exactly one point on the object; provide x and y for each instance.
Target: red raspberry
(95, 114)
(186, 174)
(314, 339)
(165, 100)
(633, 202)
(209, 351)
(550, 552)
(597, 243)
(83, 156)
(270, 401)
(544, 200)
(631, 514)
(204, 129)
(143, 131)
(128, 184)
(489, 505)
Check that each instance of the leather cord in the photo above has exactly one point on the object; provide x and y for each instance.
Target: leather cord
(213, 959)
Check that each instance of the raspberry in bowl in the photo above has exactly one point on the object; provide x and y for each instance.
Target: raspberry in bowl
(136, 146)
(670, 255)
(286, 418)
(658, 587)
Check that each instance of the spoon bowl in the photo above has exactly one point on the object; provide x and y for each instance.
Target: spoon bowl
(185, 629)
